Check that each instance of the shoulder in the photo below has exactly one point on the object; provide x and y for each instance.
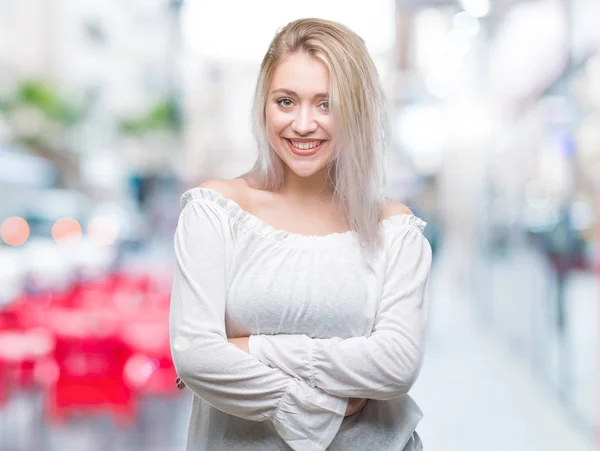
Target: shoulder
(236, 190)
(232, 195)
(230, 189)
(403, 220)
(213, 192)
(213, 204)
(393, 208)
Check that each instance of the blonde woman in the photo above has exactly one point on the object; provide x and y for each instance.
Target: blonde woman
(298, 307)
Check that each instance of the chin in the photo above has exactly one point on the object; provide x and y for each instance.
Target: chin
(306, 171)
(306, 168)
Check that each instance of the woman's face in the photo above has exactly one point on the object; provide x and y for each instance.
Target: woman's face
(298, 123)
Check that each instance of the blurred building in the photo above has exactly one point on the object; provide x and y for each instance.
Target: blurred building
(116, 60)
(498, 102)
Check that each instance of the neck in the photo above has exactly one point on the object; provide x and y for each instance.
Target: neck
(303, 189)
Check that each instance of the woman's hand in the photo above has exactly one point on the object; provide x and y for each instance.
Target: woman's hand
(241, 342)
(355, 405)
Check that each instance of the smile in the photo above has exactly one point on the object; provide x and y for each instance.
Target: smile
(304, 148)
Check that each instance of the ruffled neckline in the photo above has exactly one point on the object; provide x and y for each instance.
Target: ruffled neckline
(260, 227)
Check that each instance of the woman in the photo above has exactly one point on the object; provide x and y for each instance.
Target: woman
(316, 279)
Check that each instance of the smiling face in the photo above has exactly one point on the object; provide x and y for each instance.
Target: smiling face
(297, 118)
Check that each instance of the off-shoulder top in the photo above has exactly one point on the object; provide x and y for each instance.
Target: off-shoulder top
(325, 325)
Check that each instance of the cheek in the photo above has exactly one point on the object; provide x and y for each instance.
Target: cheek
(275, 120)
(326, 123)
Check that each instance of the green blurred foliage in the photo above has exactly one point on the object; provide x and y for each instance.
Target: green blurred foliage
(43, 97)
(163, 116)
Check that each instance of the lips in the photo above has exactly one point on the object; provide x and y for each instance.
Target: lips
(313, 149)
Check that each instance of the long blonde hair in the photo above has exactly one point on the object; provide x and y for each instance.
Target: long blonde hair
(357, 102)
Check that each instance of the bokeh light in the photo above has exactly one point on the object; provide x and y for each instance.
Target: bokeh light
(66, 230)
(14, 231)
(103, 231)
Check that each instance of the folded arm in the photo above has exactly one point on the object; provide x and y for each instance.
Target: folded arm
(382, 366)
(217, 371)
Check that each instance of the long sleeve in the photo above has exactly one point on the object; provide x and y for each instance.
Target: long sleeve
(215, 370)
(383, 365)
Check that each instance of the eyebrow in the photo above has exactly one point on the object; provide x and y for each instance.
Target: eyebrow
(292, 93)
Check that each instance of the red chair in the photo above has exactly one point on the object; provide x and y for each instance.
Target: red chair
(21, 350)
(90, 358)
(133, 282)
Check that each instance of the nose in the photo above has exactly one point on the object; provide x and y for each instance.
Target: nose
(304, 121)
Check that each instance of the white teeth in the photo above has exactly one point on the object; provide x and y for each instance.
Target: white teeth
(305, 146)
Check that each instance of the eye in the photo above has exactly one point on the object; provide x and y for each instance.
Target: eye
(285, 102)
(325, 105)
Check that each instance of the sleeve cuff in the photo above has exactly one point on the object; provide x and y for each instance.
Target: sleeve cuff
(308, 419)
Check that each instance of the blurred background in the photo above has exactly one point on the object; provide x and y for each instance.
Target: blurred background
(110, 109)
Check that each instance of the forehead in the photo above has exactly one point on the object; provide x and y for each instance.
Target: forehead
(302, 73)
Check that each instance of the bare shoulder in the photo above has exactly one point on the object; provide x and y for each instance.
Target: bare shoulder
(231, 189)
(393, 208)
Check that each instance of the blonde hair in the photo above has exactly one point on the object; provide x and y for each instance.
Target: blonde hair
(356, 101)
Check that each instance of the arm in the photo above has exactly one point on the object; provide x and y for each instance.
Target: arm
(382, 366)
(355, 405)
(217, 371)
